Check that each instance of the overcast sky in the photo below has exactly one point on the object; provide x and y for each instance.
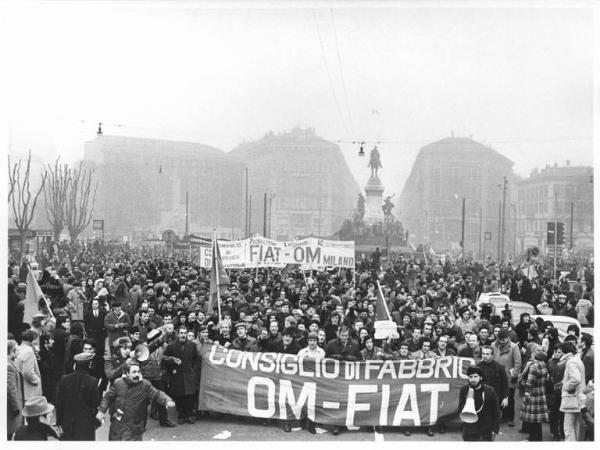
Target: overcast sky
(520, 79)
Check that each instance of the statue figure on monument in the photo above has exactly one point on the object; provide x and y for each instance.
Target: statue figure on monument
(388, 206)
(375, 162)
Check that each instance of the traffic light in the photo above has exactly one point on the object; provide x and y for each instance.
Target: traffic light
(560, 233)
(550, 233)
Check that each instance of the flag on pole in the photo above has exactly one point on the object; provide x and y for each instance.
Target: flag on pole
(33, 293)
(384, 325)
(289, 268)
(218, 278)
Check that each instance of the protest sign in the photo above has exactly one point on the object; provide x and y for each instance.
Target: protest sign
(381, 393)
(310, 253)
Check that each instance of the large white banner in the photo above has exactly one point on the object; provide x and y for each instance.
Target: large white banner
(310, 253)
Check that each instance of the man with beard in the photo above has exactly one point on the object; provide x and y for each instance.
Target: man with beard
(183, 365)
(487, 408)
(77, 400)
(127, 400)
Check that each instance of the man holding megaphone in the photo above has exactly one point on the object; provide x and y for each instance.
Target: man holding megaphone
(479, 408)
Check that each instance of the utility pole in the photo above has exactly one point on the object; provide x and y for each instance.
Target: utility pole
(555, 232)
(265, 216)
(480, 229)
(571, 243)
(320, 206)
(499, 227)
(503, 218)
(462, 235)
(270, 211)
(187, 213)
(247, 221)
(249, 216)
(515, 239)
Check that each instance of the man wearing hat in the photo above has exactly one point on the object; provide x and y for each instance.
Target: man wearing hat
(37, 412)
(243, 342)
(115, 364)
(487, 408)
(77, 400)
(116, 323)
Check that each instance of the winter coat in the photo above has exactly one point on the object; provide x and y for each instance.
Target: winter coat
(35, 432)
(508, 356)
(94, 327)
(486, 402)
(14, 398)
(110, 322)
(248, 344)
(573, 385)
(77, 301)
(184, 378)
(26, 363)
(495, 376)
(48, 373)
(133, 400)
(534, 408)
(77, 401)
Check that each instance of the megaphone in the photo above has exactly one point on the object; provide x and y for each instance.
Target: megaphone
(469, 414)
(141, 352)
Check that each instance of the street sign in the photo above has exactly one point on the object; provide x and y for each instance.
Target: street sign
(487, 235)
(98, 224)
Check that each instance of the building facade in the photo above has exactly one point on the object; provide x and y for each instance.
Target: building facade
(444, 173)
(143, 185)
(564, 194)
(308, 185)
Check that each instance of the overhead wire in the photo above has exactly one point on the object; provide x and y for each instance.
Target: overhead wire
(339, 60)
(331, 84)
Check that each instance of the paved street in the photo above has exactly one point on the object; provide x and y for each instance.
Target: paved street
(250, 429)
(253, 430)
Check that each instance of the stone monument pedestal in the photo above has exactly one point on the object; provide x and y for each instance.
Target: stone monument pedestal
(373, 201)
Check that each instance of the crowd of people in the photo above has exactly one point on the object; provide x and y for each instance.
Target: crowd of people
(80, 356)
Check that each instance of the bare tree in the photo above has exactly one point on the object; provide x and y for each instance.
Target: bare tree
(80, 200)
(55, 195)
(20, 198)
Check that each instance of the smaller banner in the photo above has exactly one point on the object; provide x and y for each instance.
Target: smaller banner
(309, 254)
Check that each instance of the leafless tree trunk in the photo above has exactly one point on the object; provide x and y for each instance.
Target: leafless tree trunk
(80, 200)
(20, 198)
(55, 194)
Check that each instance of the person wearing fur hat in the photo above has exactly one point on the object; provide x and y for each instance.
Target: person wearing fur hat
(77, 401)
(37, 413)
(487, 408)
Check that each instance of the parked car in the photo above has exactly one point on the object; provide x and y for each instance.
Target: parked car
(560, 322)
(498, 301)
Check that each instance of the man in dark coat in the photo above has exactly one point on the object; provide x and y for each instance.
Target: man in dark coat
(494, 374)
(487, 408)
(74, 346)
(77, 400)
(93, 321)
(127, 401)
(183, 366)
